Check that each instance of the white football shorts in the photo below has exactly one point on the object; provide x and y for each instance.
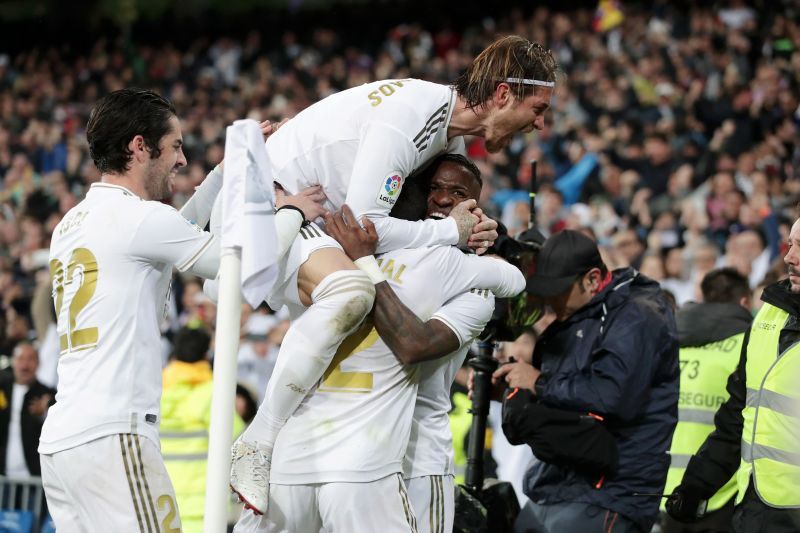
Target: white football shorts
(114, 483)
(380, 505)
(433, 499)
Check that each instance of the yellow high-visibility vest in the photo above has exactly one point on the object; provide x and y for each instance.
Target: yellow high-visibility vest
(771, 432)
(460, 423)
(186, 417)
(704, 374)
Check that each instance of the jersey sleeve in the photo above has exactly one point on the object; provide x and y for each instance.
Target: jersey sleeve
(467, 314)
(385, 159)
(198, 208)
(464, 272)
(164, 236)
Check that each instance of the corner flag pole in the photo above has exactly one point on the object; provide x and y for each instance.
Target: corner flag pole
(229, 310)
(532, 196)
(248, 220)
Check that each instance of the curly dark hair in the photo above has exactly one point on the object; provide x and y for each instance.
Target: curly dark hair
(509, 57)
(119, 117)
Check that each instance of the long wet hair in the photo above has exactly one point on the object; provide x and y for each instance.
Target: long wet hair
(509, 57)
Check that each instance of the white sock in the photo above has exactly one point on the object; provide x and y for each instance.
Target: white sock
(339, 304)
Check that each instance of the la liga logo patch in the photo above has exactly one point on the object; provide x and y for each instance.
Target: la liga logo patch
(392, 184)
(390, 189)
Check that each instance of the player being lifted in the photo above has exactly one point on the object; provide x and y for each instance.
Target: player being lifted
(337, 463)
(361, 145)
(111, 260)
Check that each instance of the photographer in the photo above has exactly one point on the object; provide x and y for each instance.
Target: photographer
(606, 374)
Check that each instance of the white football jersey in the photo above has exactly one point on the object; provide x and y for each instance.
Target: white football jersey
(354, 426)
(430, 446)
(111, 259)
(362, 144)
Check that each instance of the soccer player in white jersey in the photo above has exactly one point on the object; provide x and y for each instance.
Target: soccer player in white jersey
(361, 145)
(111, 260)
(337, 463)
(438, 348)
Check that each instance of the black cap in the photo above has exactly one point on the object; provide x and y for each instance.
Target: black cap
(564, 257)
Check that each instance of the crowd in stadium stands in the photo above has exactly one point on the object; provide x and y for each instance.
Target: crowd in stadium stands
(672, 140)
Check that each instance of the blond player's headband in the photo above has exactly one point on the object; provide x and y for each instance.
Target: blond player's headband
(525, 81)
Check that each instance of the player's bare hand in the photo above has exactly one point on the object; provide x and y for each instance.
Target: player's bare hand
(484, 233)
(517, 375)
(465, 219)
(310, 201)
(268, 127)
(357, 242)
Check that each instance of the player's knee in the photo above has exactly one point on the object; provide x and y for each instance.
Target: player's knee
(350, 294)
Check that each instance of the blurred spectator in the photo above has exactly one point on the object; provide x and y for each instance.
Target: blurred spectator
(675, 276)
(185, 421)
(711, 335)
(258, 351)
(653, 267)
(23, 406)
(246, 405)
(629, 246)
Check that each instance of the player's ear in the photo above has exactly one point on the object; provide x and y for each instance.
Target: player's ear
(502, 93)
(138, 148)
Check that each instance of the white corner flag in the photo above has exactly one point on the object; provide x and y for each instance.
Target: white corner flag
(248, 210)
(247, 267)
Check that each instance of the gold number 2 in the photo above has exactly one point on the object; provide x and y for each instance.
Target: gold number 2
(166, 499)
(335, 379)
(78, 282)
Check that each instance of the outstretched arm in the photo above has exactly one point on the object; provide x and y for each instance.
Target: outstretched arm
(384, 161)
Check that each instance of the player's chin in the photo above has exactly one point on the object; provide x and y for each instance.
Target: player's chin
(492, 147)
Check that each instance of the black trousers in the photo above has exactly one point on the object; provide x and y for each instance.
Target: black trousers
(754, 516)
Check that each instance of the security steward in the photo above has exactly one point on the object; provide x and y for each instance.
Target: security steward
(711, 335)
(757, 431)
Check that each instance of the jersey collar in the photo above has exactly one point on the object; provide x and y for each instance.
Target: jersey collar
(110, 186)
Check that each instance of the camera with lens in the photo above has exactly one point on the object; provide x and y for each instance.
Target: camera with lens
(512, 316)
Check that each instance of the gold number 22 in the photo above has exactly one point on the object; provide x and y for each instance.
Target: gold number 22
(79, 281)
(165, 500)
(335, 379)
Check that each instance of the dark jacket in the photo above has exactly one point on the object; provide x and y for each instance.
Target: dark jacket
(31, 426)
(702, 323)
(617, 357)
(719, 456)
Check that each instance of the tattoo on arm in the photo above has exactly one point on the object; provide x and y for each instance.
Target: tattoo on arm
(411, 339)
